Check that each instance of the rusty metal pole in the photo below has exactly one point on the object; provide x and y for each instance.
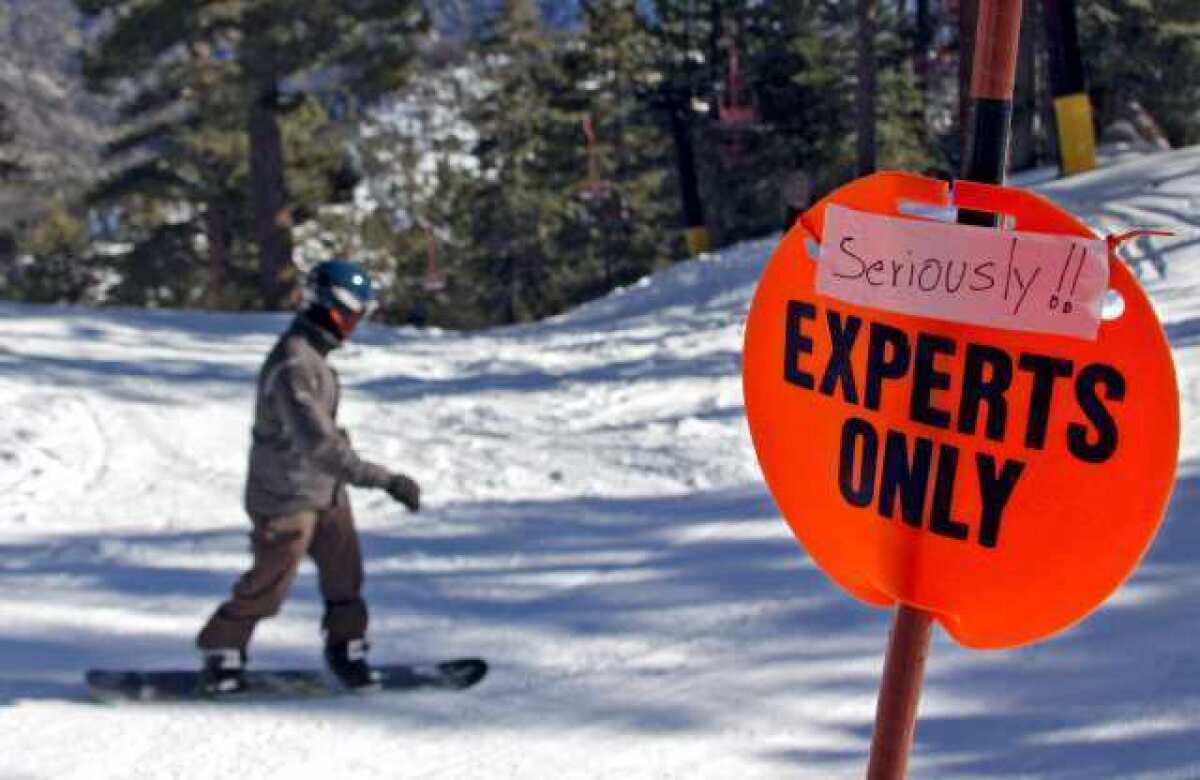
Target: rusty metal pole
(899, 694)
(993, 74)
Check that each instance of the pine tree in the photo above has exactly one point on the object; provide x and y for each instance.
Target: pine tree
(56, 245)
(181, 183)
(416, 156)
(188, 164)
(905, 142)
(266, 44)
(793, 81)
(866, 94)
(802, 63)
(513, 210)
(1158, 65)
(625, 206)
(803, 87)
(682, 69)
(830, 81)
(798, 61)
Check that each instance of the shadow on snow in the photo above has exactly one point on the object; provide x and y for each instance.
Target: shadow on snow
(1085, 704)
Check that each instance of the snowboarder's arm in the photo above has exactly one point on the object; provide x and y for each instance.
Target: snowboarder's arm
(314, 432)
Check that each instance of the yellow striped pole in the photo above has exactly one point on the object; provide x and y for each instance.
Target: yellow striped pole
(1072, 108)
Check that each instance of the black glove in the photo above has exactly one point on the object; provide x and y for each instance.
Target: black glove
(403, 489)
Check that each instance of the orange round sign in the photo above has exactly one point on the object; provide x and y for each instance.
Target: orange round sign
(1006, 481)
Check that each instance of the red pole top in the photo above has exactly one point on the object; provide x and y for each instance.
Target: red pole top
(997, 40)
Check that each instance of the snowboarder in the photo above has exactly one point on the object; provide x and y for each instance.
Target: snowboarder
(300, 463)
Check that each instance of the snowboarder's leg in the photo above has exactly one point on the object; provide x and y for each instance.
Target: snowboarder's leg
(336, 551)
(278, 544)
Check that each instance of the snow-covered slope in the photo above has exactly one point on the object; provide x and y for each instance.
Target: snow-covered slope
(596, 526)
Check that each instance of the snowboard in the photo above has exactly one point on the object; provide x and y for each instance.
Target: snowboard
(272, 684)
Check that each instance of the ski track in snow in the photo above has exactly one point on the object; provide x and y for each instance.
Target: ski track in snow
(596, 526)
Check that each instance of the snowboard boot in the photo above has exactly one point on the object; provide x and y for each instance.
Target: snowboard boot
(348, 660)
(224, 672)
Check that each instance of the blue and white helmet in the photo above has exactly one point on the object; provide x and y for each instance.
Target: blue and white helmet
(340, 284)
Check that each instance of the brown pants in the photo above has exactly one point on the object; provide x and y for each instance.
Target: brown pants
(279, 544)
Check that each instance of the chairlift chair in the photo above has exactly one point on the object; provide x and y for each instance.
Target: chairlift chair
(737, 110)
(602, 197)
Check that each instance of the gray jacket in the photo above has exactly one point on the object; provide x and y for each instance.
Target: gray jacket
(299, 459)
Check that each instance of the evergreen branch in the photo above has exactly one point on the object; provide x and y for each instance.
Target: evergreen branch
(141, 35)
(155, 134)
(147, 178)
(151, 100)
(97, 7)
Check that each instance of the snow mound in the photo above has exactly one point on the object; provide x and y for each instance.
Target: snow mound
(725, 280)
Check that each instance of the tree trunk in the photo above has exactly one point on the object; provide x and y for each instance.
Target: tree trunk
(216, 230)
(1044, 98)
(685, 159)
(268, 198)
(1023, 151)
(866, 13)
(510, 302)
(921, 45)
(968, 11)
